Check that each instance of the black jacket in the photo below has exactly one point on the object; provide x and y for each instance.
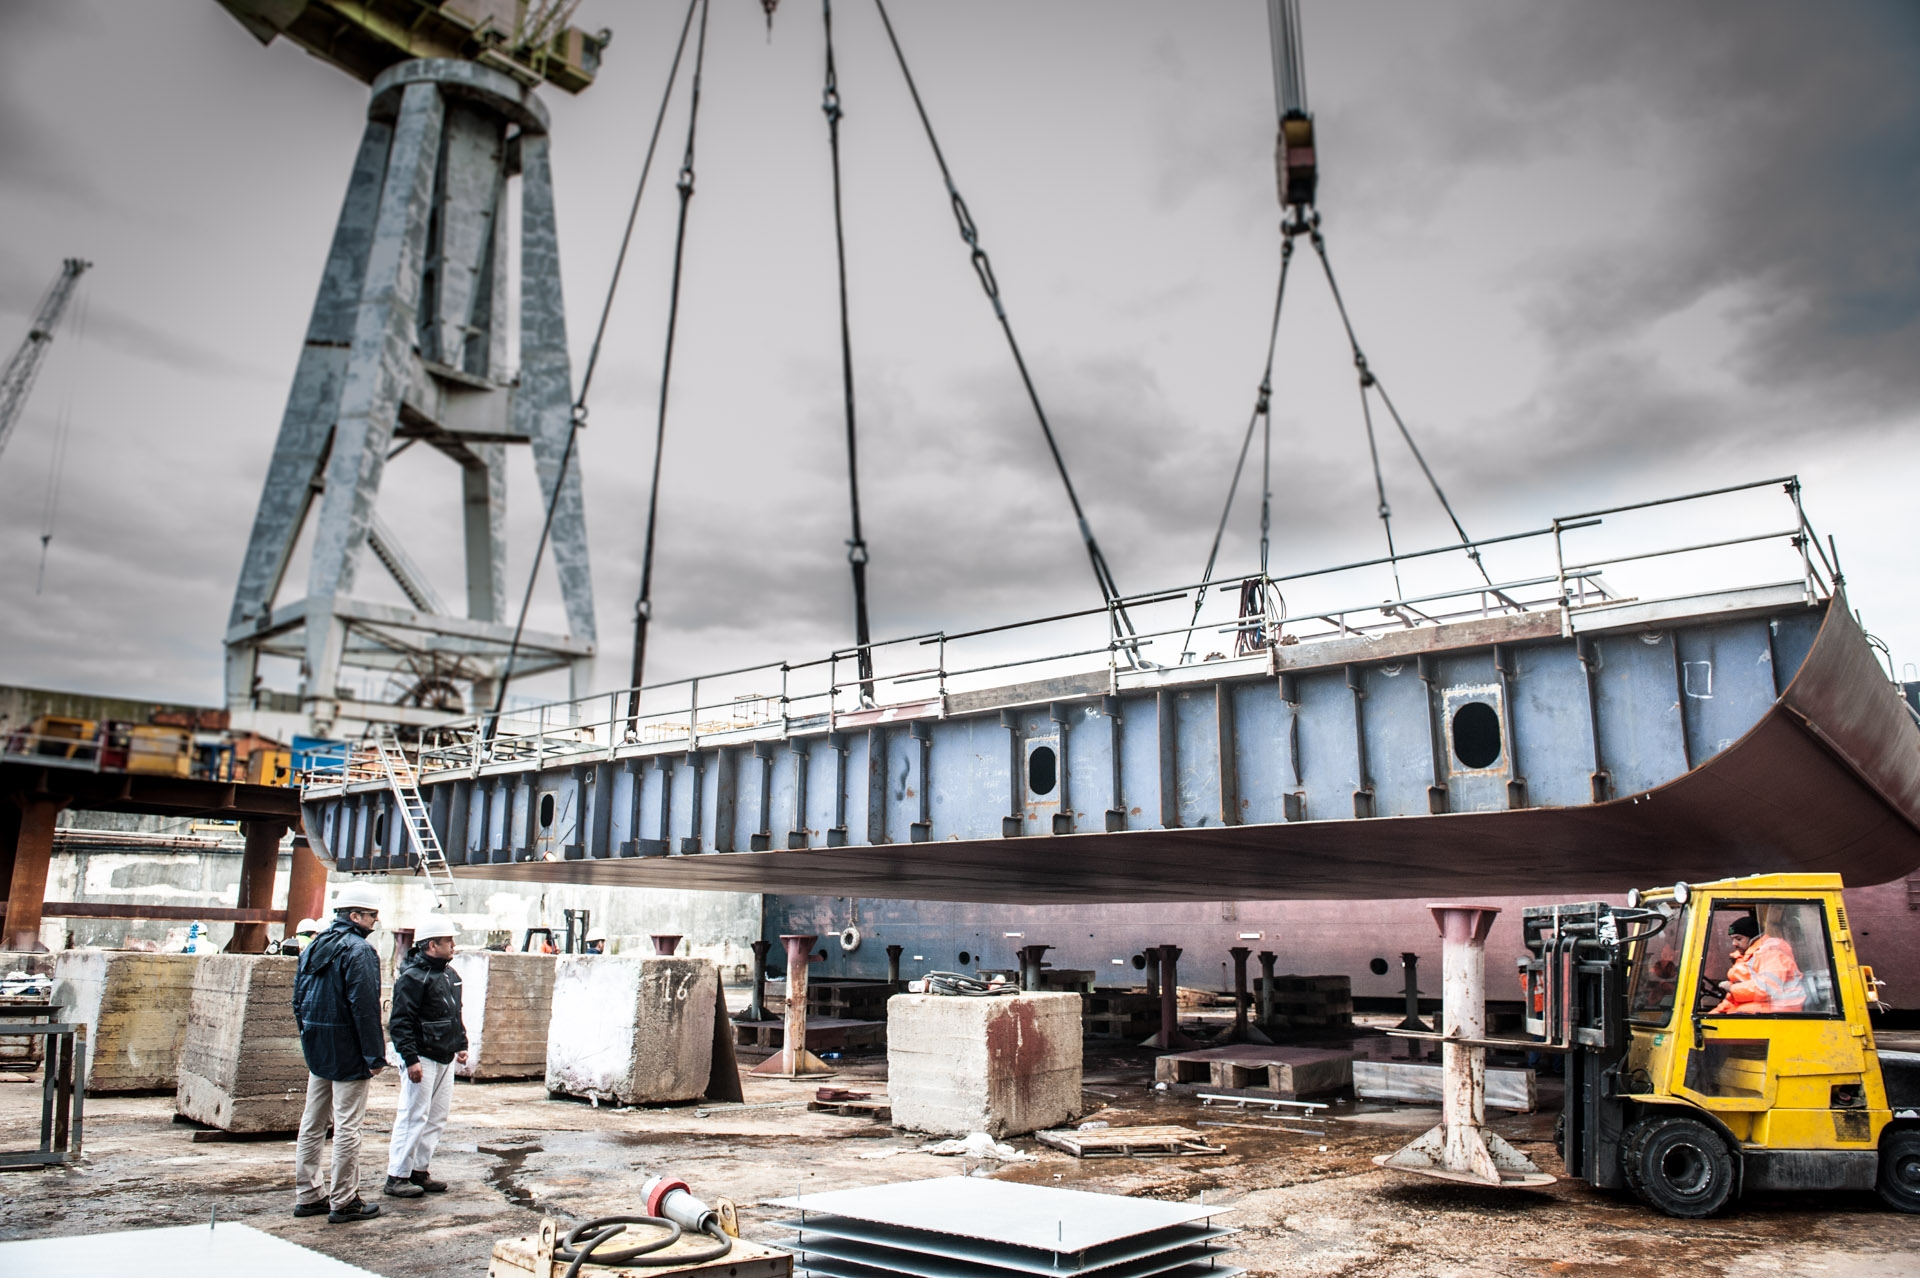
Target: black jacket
(336, 1004)
(426, 1010)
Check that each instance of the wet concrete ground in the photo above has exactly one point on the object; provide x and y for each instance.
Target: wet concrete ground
(1305, 1204)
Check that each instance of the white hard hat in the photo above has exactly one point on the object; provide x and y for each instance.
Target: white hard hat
(435, 928)
(597, 934)
(357, 896)
(307, 925)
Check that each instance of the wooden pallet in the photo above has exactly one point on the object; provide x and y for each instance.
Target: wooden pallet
(1129, 1142)
(1257, 1068)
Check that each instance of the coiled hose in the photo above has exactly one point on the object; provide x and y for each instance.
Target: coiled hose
(582, 1243)
(970, 986)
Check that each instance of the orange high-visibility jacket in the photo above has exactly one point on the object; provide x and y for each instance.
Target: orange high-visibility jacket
(1764, 979)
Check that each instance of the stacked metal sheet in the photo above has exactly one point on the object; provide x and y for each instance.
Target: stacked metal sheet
(962, 1227)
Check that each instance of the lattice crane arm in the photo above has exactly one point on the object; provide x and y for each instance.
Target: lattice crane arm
(16, 382)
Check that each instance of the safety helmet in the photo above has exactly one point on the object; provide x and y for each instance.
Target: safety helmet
(597, 934)
(307, 927)
(434, 928)
(357, 896)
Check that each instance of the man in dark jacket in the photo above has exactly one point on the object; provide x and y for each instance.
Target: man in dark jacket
(336, 1004)
(429, 1036)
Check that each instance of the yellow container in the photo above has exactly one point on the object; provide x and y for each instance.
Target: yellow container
(270, 767)
(162, 751)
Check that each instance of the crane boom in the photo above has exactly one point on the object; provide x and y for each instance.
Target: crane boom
(16, 383)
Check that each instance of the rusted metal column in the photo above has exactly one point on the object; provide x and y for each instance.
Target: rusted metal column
(1030, 966)
(1170, 1036)
(306, 886)
(1267, 960)
(1153, 971)
(893, 965)
(665, 943)
(259, 867)
(27, 885)
(1410, 965)
(1240, 955)
(1460, 1148)
(757, 997)
(793, 1059)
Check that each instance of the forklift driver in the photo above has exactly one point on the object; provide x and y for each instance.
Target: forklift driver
(1764, 977)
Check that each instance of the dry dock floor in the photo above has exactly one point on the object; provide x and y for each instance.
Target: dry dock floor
(1304, 1205)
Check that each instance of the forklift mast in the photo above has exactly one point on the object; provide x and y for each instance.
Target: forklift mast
(1576, 972)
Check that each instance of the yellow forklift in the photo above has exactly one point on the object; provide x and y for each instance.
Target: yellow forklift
(1717, 1043)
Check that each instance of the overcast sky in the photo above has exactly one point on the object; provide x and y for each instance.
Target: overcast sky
(1598, 253)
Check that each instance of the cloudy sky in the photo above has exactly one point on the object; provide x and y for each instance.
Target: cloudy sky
(1598, 253)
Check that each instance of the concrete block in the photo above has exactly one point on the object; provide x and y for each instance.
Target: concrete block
(1005, 1065)
(241, 1068)
(506, 1002)
(632, 1029)
(135, 1008)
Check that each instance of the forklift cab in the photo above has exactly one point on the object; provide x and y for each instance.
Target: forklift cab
(1719, 1043)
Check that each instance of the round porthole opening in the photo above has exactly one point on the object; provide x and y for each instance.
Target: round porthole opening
(965, 958)
(546, 810)
(1139, 962)
(1476, 735)
(1043, 771)
(1378, 967)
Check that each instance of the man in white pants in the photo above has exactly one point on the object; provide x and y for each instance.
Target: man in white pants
(429, 1036)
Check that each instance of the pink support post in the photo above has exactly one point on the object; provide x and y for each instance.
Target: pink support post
(1461, 1148)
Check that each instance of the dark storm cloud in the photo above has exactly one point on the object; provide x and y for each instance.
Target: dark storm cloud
(1802, 136)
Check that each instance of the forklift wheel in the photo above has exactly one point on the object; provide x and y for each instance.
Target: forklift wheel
(1900, 1170)
(1678, 1165)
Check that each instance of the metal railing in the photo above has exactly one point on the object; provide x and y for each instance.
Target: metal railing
(919, 673)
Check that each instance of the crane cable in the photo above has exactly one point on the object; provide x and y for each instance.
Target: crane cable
(643, 607)
(856, 544)
(578, 417)
(1369, 380)
(1262, 404)
(1118, 620)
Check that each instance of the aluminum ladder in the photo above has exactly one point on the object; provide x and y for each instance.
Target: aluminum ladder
(404, 781)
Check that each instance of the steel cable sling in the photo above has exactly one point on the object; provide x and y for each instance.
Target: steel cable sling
(643, 607)
(578, 417)
(856, 544)
(1118, 619)
(1261, 414)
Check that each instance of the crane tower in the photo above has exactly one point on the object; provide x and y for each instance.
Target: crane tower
(408, 344)
(16, 380)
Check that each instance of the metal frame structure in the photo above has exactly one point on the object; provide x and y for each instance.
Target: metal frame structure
(407, 345)
(1549, 711)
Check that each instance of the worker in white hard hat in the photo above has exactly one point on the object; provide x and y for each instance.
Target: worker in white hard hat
(301, 936)
(597, 941)
(336, 1004)
(429, 1035)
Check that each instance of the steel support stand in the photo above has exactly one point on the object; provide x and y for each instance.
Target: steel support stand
(793, 1060)
(893, 965)
(1153, 971)
(665, 944)
(1030, 967)
(1242, 1031)
(1409, 965)
(1267, 960)
(1169, 1038)
(757, 997)
(1460, 1148)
